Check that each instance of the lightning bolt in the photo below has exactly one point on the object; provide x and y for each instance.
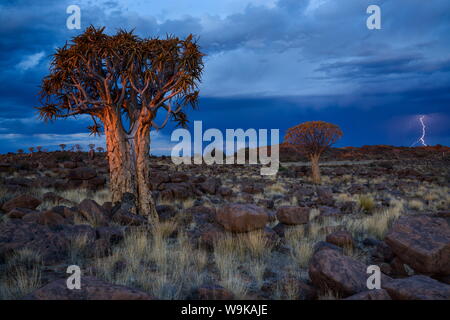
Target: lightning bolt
(424, 132)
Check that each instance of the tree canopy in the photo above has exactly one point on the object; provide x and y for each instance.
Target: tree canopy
(97, 74)
(313, 137)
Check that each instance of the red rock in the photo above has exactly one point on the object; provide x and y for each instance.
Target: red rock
(341, 238)
(327, 211)
(94, 183)
(292, 215)
(92, 211)
(32, 217)
(19, 213)
(69, 164)
(23, 201)
(50, 218)
(242, 217)
(18, 234)
(417, 288)
(54, 198)
(179, 177)
(331, 270)
(208, 234)
(325, 196)
(376, 294)
(83, 173)
(166, 212)
(125, 217)
(91, 289)
(422, 242)
(111, 234)
(225, 191)
(210, 186)
(252, 189)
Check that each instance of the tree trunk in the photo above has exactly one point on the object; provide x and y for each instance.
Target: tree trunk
(141, 145)
(315, 168)
(128, 158)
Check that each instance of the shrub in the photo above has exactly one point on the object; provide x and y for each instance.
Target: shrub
(366, 203)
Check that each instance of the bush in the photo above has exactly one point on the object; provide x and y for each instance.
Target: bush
(366, 203)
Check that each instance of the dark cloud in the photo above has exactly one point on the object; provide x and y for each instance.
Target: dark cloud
(266, 66)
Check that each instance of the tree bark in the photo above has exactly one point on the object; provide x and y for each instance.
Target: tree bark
(141, 145)
(128, 157)
(315, 168)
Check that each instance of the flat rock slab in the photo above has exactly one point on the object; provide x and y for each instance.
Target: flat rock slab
(91, 289)
(376, 294)
(23, 201)
(417, 288)
(422, 242)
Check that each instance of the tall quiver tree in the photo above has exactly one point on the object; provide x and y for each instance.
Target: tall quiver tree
(121, 82)
(313, 138)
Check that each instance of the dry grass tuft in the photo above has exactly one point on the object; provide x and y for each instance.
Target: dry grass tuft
(375, 225)
(416, 205)
(22, 274)
(152, 261)
(366, 203)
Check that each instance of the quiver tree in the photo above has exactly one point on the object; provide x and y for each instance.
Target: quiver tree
(121, 82)
(313, 138)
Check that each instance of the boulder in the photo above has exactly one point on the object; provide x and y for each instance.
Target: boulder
(341, 238)
(292, 215)
(34, 217)
(112, 235)
(51, 243)
(92, 211)
(179, 177)
(19, 213)
(242, 217)
(422, 242)
(331, 270)
(376, 294)
(166, 212)
(266, 203)
(125, 217)
(225, 191)
(252, 189)
(54, 198)
(326, 211)
(210, 186)
(94, 183)
(417, 287)
(325, 196)
(302, 192)
(23, 201)
(69, 164)
(82, 173)
(326, 245)
(91, 289)
(50, 218)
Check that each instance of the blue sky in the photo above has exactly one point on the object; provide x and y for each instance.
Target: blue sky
(269, 64)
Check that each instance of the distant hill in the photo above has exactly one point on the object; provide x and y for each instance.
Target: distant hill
(374, 152)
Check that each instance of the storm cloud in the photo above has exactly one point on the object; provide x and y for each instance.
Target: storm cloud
(269, 64)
